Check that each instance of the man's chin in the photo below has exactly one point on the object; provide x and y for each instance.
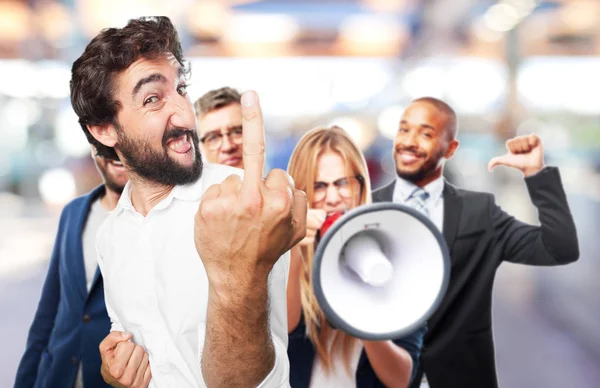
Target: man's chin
(410, 175)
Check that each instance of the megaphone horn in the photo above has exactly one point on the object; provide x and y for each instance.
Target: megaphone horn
(380, 271)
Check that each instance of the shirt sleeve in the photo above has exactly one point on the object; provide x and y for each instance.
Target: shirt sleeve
(115, 325)
(280, 374)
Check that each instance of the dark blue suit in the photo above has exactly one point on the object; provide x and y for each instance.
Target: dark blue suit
(301, 353)
(69, 323)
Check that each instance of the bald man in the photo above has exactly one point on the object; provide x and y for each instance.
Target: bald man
(458, 349)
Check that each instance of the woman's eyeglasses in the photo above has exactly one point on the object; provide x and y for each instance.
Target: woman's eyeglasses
(347, 187)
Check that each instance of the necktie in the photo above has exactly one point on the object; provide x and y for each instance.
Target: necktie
(418, 201)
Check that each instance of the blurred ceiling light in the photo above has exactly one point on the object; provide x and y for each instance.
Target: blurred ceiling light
(356, 81)
(15, 21)
(15, 118)
(581, 15)
(57, 186)
(379, 35)
(260, 28)
(387, 5)
(69, 136)
(388, 121)
(501, 17)
(96, 15)
(357, 130)
(53, 79)
(208, 18)
(484, 33)
(259, 34)
(522, 7)
(425, 80)
(475, 85)
(54, 21)
(18, 78)
(534, 86)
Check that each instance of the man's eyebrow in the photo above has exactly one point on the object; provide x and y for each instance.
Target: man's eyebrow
(155, 77)
(422, 125)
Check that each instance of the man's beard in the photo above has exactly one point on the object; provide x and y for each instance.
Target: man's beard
(109, 182)
(428, 167)
(156, 166)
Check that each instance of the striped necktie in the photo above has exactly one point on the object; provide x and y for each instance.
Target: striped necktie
(418, 201)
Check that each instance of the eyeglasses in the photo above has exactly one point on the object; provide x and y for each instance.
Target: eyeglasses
(214, 140)
(346, 187)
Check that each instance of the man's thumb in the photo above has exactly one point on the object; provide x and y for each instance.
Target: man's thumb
(113, 338)
(498, 161)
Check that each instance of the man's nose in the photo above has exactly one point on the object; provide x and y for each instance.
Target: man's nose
(182, 113)
(227, 144)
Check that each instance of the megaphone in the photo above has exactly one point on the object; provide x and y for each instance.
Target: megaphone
(380, 271)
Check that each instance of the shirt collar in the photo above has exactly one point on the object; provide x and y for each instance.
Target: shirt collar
(189, 192)
(404, 189)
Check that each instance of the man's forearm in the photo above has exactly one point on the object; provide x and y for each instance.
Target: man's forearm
(238, 349)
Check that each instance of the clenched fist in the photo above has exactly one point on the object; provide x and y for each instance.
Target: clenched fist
(314, 221)
(243, 226)
(524, 153)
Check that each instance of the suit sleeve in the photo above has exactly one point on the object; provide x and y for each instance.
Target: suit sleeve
(45, 315)
(554, 242)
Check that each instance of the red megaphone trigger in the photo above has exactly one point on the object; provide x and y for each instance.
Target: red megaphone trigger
(333, 217)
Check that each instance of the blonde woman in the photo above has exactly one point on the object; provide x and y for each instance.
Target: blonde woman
(330, 168)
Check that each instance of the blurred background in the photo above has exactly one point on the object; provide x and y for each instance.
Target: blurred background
(508, 67)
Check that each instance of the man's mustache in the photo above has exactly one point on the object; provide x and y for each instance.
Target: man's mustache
(413, 150)
(179, 132)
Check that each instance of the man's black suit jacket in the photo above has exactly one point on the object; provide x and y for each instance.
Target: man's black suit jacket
(458, 349)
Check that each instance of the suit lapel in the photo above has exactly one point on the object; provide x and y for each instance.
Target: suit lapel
(452, 208)
(78, 263)
(385, 193)
(76, 251)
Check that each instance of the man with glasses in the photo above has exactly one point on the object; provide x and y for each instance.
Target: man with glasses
(219, 114)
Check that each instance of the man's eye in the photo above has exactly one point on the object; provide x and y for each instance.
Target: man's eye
(211, 138)
(320, 186)
(182, 89)
(151, 100)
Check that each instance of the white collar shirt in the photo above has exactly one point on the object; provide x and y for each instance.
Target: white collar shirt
(403, 189)
(156, 286)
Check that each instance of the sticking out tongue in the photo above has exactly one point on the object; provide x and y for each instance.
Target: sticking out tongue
(333, 217)
(181, 145)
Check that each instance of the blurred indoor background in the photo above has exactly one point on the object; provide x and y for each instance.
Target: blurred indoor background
(508, 67)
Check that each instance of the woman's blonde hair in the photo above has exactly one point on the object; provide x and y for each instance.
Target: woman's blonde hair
(302, 168)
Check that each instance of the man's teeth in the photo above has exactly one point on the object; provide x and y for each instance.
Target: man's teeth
(178, 143)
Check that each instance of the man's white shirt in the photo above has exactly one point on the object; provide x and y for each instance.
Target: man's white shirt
(156, 286)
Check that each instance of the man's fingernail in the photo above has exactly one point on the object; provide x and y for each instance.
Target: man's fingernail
(125, 334)
(249, 98)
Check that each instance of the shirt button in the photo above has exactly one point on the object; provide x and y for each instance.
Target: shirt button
(87, 318)
(74, 360)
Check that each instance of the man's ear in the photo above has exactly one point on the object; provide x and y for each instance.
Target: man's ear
(104, 133)
(452, 147)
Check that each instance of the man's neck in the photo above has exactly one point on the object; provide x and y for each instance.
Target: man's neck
(110, 199)
(145, 195)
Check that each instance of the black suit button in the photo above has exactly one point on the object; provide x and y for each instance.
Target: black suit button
(74, 360)
(86, 318)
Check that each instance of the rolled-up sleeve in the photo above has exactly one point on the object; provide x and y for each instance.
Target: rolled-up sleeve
(280, 374)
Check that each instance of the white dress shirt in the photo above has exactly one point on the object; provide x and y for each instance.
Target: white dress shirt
(434, 204)
(156, 286)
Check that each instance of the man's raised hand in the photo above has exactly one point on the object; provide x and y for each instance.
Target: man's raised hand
(243, 225)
